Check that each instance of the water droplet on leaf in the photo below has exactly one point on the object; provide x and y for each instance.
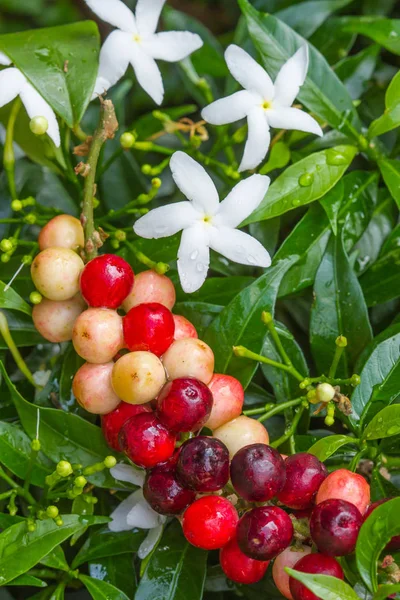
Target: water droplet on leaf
(306, 179)
(335, 158)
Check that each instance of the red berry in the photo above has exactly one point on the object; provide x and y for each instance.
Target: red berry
(239, 567)
(287, 558)
(316, 564)
(210, 522)
(345, 485)
(257, 472)
(334, 527)
(203, 464)
(164, 492)
(184, 404)
(112, 423)
(304, 475)
(264, 532)
(394, 543)
(149, 328)
(146, 441)
(106, 281)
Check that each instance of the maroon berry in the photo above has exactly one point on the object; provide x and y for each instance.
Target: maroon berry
(112, 423)
(334, 527)
(304, 475)
(184, 404)
(203, 464)
(210, 522)
(164, 492)
(150, 328)
(239, 567)
(257, 472)
(264, 532)
(394, 543)
(316, 564)
(106, 281)
(146, 441)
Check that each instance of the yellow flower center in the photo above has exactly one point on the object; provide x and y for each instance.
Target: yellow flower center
(137, 38)
(266, 105)
(207, 219)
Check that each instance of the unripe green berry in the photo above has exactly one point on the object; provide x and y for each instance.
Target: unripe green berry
(127, 140)
(312, 396)
(41, 514)
(355, 379)
(39, 125)
(35, 445)
(325, 392)
(52, 511)
(266, 317)
(35, 298)
(146, 169)
(30, 219)
(120, 235)
(64, 468)
(110, 461)
(59, 522)
(5, 258)
(329, 421)
(143, 198)
(156, 183)
(31, 526)
(80, 481)
(305, 383)
(6, 245)
(341, 341)
(17, 205)
(114, 244)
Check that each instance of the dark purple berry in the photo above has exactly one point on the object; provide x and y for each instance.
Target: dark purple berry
(257, 472)
(334, 527)
(264, 532)
(304, 475)
(203, 464)
(165, 494)
(184, 404)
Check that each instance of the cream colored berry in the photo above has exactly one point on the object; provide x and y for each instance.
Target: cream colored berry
(97, 335)
(228, 395)
(183, 328)
(55, 273)
(150, 287)
(93, 390)
(55, 320)
(325, 392)
(138, 377)
(189, 357)
(241, 432)
(64, 231)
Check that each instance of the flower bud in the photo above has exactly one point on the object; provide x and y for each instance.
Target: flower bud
(80, 481)
(114, 244)
(156, 183)
(325, 392)
(35, 298)
(35, 445)
(120, 235)
(312, 396)
(39, 125)
(6, 245)
(329, 421)
(30, 219)
(127, 140)
(16, 205)
(110, 461)
(31, 526)
(341, 341)
(355, 380)
(64, 468)
(52, 512)
(5, 258)
(146, 169)
(59, 522)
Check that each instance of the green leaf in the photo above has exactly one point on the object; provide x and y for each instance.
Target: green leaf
(101, 590)
(176, 570)
(382, 488)
(390, 170)
(201, 314)
(382, 524)
(327, 446)
(325, 586)
(381, 282)
(71, 363)
(331, 204)
(63, 435)
(55, 559)
(103, 543)
(332, 42)
(216, 290)
(239, 324)
(81, 507)
(391, 117)
(384, 424)
(338, 309)
(29, 580)
(13, 301)
(357, 70)
(22, 330)
(8, 520)
(58, 593)
(119, 573)
(286, 193)
(322, 93)
(41, 55)
(386, 591)
(20, 550)
(385, 32)
(279, 156)
(306, 17)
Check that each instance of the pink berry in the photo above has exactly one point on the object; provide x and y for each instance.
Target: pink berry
(55, 320)
(210, 522)
(189, 358)
(112, 423)
(184, 404)
(55, 273)
(241, 432)
(92, 388)
(97, 335)
(334, 527)
(138, 377)
(257, 472)
(165, 494)
(150, 328)
(287, 558)
(150, 287)
(240, 568)
(183, 328)
(316, 564)
(62, 231)
(345, 485)
(304, 475)
(228, 397)
(106, 281)
(394, 543)
(264, 532)
(146, 441)
(203, 464)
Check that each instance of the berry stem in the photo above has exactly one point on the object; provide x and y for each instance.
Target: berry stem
(280, 408)
(9, 157)
(21, 364)
(243, 352)
(291, 429)
(17, 489)
(160, 268)
(267, 319)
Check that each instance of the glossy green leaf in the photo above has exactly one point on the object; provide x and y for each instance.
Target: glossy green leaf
(279, 156)
(58, 593)
(306, 17)
(333, 42)
(101, 590)
(176, 570)
(7, 520)
(386, 591)
(22, 330)
(103, 543)
(119, 573)
(357, 70)
(71, 363)
(239, 324)
(382, 524)
(60, 62)
(385, 32)
(322, 93)
(390, 170)
(386, 423)
(63, 435)
(382, 488)
(325, 586)
(391, 117)
(332, 202)
(55, 559)
(28, 580)
(80, 507)
(201, 314)
(327, 446)
(381, 282)
(216, 290)
(13, 301)
(338, 309)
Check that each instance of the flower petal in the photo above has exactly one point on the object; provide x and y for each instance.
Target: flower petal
(172, 45)
(148, 14)
(166, 220)
(115, 56)
(11, 83)
(36, 106)
(142, 515)
(147, 73)
(114, 12)
(249, 73)
(291, 77)
(239, 247)
(194, 257)
(195, 183)
(230, 109)
(242, 201)
(128, 473)
(150, 541)
(293, 118)
(4, 60)
(258, 140)
(120, 515)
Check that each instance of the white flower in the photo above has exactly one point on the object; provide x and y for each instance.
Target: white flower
(13, 83)
(265, 104)
(136, 42)
(135, 511)
(205, 222)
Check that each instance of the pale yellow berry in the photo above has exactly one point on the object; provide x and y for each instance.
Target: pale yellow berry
(150, 287)
(64, 231)
(93, 390)
(55, 273)
(39, 125)
(189, 357)
(97, 335)
(138, 377)
(241, 432)
(55, 320)
(325, 392)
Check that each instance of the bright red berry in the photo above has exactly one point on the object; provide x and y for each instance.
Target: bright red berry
(112, 423)
(334, 527)
(345, 485)
(264, 532)
(165, 494)
(106, 281)
(203, 464)
(149, 328)
(257, 472)
(394, 543)
(316, 564)
(184, 404)
(304, 475)
(146, 441)
(210, 522)
(240, 568)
